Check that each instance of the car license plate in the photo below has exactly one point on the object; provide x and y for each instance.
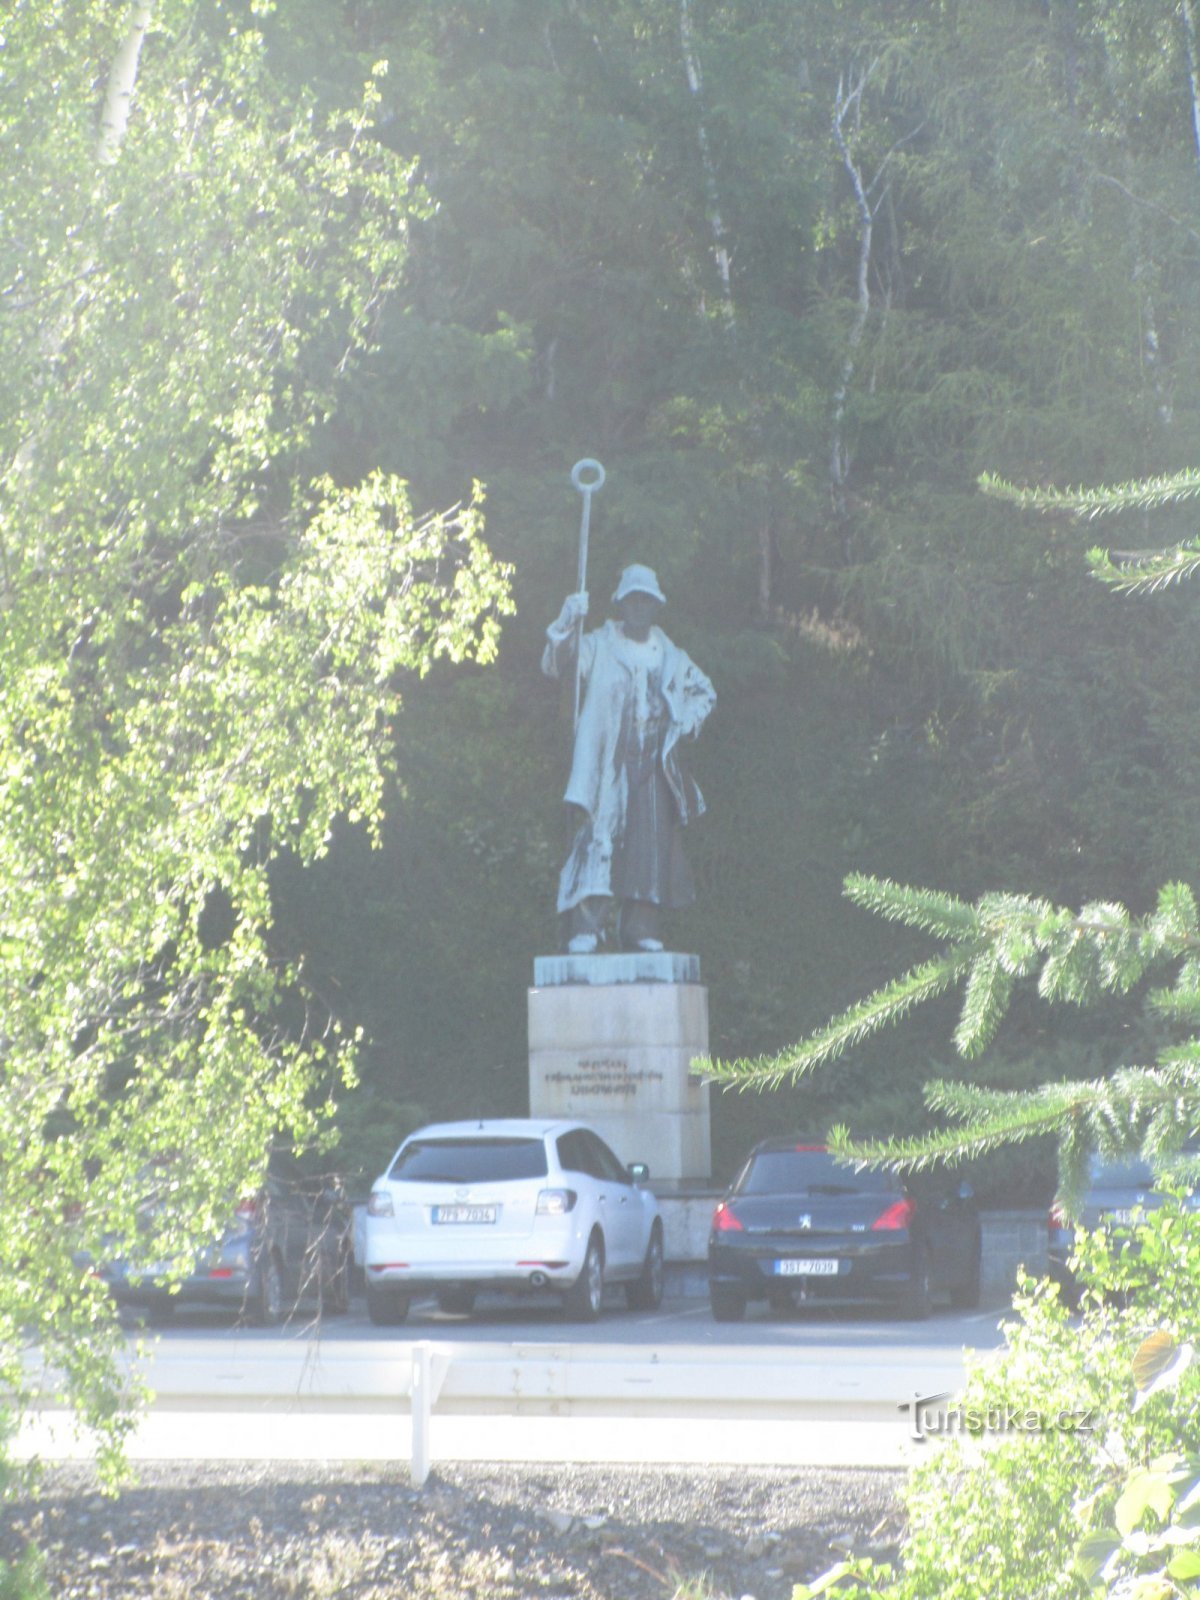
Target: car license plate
(1121, 1217)
(150, 1274)
(464, 1213)
(807, 1269)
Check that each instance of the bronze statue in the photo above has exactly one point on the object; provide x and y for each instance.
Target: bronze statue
(641, 695)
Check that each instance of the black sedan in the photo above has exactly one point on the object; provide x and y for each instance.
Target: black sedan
(799, 1226)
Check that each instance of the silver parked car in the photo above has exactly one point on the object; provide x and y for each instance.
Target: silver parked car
(517, 1204)
(284, 1245)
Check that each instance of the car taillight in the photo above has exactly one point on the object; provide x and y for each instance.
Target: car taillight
(248, 1210)
(380, 1204)
(724, 1221)
(896, 1216)
(556, 1202)
(1056, 1218)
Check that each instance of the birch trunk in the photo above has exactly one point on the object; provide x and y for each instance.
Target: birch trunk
(1193, 56)
(715, 222)
(114, 121)
(839, 454)
(122, 78)
(724, 264)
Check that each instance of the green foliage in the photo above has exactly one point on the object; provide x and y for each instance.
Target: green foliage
(201, 645)
(1144, 495)
(24, 1578)
(913, 683)
(857, 1576)
(497, 257)
(1101, 1493)
(1075, 957)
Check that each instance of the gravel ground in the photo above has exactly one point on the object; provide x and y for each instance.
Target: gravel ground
(282, 1532)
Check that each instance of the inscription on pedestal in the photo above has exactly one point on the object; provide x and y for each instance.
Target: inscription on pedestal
(609, 1079)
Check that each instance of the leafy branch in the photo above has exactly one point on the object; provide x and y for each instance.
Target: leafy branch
(1126, 571)
(1144, 571)
(990, 947)
(1142, 495)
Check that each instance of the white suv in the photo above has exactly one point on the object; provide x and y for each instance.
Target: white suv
(514, 1204)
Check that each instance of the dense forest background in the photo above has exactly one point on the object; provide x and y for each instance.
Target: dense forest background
(797, 273)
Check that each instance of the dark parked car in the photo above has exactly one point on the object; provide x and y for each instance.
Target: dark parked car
(286, 1244)
(1117, 1193)
(798, 1225)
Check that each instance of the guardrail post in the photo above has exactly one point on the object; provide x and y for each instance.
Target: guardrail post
(429, 1368)
(422, 1408)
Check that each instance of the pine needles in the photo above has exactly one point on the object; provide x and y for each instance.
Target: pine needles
(990, 948)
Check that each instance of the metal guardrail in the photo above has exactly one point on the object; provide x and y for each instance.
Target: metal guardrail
(272, 1382)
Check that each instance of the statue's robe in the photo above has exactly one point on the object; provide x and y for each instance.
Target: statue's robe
(641, 697)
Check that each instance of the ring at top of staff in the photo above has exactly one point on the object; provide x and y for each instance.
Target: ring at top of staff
(586, 485)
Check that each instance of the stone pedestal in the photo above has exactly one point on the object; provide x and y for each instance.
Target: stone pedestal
(611, 1039)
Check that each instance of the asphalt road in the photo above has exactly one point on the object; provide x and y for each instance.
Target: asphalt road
(678, 1321)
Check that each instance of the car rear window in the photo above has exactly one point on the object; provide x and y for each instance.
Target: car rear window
(809, 1172)
(469, 1160)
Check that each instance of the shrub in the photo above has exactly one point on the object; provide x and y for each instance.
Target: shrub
(1089, 1486)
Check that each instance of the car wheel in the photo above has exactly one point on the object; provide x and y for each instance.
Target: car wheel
(267, 1309)
(728, 1305)
(457, 1299)
(915, 1304)
(387, 1308)
(586, 1295)
(966, 1295)
(646, 1292)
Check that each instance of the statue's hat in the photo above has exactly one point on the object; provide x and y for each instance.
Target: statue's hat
(638, 580)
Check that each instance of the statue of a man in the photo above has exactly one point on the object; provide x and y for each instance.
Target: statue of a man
(642, 695)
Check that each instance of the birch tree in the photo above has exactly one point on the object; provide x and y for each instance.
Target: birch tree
(200, 650)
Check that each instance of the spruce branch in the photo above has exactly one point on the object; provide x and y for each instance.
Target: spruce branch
(1175, 919)
(1029, 1117)
(1150, 1108)
(887, 1005)
(991, 945)
(941, 914)
(1181, 1004)
(985, 1002)
(1144, 571)
(1106, 500)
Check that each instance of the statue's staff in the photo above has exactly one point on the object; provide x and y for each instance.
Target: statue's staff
(587, 476)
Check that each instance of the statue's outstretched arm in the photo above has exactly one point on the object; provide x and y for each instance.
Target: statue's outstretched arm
(559, 654)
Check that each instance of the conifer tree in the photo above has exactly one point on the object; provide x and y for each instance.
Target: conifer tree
(988, 947)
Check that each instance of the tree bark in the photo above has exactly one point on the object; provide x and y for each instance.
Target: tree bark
(1193, 55)
(716, 223)
(114, 120)
(122, 78)
(839, 454)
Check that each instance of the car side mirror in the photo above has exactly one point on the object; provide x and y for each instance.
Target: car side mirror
(638, 1171)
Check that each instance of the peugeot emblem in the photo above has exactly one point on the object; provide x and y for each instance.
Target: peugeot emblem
(461, 1194)
(805, 1219)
